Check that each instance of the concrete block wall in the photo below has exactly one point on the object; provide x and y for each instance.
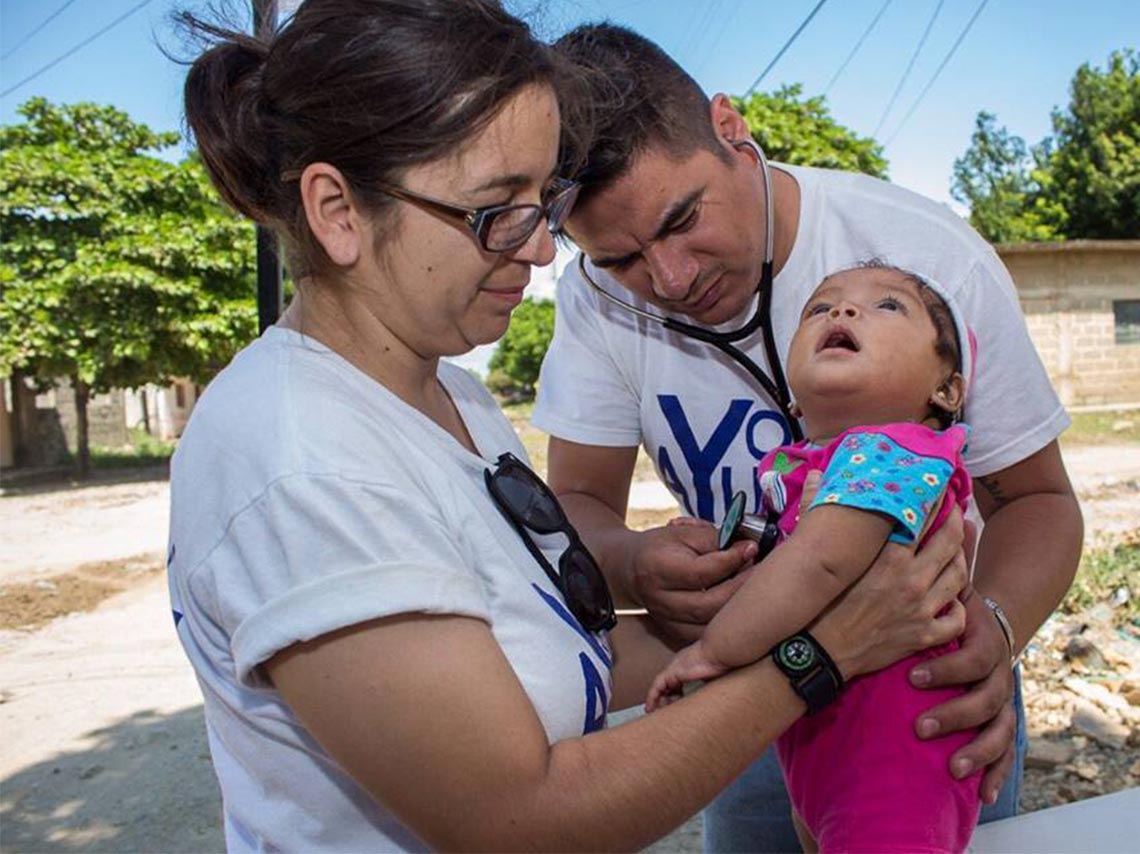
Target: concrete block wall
(106, 419)
(1067, 292)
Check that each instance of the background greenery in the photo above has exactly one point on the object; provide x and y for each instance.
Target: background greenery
(1083, 181)
(117, 268)
(514, 366)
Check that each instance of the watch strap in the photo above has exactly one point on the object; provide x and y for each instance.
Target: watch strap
(810, 670)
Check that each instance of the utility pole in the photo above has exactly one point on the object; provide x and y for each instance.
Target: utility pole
(269, 291)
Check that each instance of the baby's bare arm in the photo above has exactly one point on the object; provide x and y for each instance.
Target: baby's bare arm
(832, 546)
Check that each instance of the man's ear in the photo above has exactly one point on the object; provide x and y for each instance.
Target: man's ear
(332, 213)
(727, 122)
(951, 394)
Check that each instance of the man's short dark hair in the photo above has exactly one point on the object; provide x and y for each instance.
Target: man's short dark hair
(637, 97)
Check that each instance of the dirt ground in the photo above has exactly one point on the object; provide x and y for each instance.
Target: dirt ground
(103, 743)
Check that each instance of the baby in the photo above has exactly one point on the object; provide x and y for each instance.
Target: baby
(877, 368)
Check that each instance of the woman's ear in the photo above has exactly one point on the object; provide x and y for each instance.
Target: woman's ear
(727, 122)
(951, 394)
(332, 213)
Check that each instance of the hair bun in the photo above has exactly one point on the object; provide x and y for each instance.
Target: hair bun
(227, 110)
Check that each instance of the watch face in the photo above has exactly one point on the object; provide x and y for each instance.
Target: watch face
(731, 521)
(797, 654)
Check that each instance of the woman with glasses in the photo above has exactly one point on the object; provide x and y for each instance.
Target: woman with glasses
(401, 642)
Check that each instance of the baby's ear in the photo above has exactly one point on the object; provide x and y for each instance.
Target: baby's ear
(951, 395)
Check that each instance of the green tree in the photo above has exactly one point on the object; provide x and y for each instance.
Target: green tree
(117, 268)
(514, 366)
(1081, 182)
(1002, 183)
(798, 130)
(1095, 163)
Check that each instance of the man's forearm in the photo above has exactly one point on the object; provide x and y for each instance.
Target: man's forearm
(1027, 557)
(606, 536)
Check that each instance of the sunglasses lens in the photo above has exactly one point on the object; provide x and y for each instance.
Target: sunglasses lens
(530, 505)
(528, 501)
(586, 591)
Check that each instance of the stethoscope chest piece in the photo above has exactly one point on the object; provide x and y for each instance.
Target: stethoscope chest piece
(738, 525)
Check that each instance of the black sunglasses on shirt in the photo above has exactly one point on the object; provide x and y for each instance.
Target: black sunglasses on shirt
(528, 503)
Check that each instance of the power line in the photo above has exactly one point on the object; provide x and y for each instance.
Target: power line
(696, 31)
(725, 21)
(858, 45)
(937, 71)
(787, 44)
(75, 49)
(909, 67)
(43, 24)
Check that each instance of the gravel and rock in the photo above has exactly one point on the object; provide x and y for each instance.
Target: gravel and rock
(1082, 697)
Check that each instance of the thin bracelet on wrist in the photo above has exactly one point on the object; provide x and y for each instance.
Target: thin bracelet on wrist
(1004, 625)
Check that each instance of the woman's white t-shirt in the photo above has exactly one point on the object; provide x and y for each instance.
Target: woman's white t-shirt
(306, 497)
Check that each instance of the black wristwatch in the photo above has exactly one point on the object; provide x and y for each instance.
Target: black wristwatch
(814, 676)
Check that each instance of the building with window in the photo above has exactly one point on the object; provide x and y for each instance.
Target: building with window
(1081, 300)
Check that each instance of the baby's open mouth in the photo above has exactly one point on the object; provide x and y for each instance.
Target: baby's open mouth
(839, 339)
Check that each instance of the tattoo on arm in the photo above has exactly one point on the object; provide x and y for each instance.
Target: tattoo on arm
(993, 486)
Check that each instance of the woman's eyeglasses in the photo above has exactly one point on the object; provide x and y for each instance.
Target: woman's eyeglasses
(497, 228)
(529, 504)
(501, 228)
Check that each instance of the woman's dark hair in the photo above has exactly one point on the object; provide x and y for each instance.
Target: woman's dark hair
(369, 86)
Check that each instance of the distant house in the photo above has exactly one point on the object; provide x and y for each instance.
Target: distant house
(39, 430)
(1081, 300)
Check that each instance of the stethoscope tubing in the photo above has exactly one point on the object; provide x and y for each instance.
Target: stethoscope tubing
(775, 386)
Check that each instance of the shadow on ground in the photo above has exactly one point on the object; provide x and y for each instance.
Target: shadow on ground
(144, 784)
(62, 478)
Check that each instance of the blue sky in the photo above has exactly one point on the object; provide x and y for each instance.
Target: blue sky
(1017, 59)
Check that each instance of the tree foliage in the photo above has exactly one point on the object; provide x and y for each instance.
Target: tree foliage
(801, 131)
(1081, 182)
(1002, 183)
(1095, 163)
(117, 268)
(514, 366)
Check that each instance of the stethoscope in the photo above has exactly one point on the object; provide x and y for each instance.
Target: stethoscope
(775, 386)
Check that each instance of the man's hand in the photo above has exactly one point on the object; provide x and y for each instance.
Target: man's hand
(905, 602)
(678, 574)
(683, 580)
(982, 663)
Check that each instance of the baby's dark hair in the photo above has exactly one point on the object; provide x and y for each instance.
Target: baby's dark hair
(946, 344)
(946, 333)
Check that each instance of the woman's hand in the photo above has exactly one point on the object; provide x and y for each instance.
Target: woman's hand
(896, 607)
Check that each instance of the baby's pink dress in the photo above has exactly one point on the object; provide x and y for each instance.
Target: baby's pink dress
(857, 774)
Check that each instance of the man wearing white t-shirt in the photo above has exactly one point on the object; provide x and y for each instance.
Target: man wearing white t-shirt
(673, 216)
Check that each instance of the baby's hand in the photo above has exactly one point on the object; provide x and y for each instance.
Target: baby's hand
(689, 665)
